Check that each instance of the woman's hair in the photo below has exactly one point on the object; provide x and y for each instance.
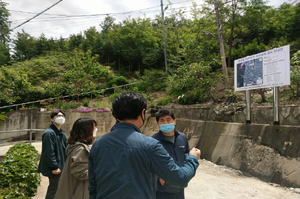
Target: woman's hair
(82, 131)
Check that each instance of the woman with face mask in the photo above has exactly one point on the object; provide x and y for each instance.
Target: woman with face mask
(54, 142)
(74, 178)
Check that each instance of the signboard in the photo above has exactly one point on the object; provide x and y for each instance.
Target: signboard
(263, 70)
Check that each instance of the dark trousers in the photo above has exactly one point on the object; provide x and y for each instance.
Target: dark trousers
(164, 195)
(53, 184)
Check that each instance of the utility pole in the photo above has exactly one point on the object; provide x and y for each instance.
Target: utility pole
(164, 35)
(221, 43)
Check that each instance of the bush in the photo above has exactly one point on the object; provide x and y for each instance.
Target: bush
(64, 105)
(18, 172)
(295, 75)
(85, 102)
(163, 101)
(193, 83)
(99, 104)
(116, 81)
(2, 117)
(113, 96)
(191, 98)
(152, 80)
(30, 94)
(232, 96)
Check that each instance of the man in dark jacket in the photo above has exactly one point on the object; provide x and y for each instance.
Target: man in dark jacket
(54, 142)
(124, 163)
(176, 144)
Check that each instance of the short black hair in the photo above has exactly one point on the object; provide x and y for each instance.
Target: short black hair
(162, 113)
(128, 105)
(55, 113)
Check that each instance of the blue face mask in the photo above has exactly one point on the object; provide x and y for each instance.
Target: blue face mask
(167, 128)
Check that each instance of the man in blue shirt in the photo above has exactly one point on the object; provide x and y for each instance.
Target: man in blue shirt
(176, 144)
(124, 163)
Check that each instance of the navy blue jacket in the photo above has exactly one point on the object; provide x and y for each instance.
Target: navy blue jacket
(54, 143)
(125, 163)
(178, 151)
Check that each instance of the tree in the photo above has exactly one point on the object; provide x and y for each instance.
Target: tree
(180, 39)
(107, 24)
(75, 41)
(233, 12)
(295, 75)
(91, 35)
(12, 84)
(4, 54)
(39, 69)
(293, 28)
(61, 44)
(193, 83)
(4, 34)
(209, 7)
(204, 47)
(132, 45)
(84, 73)
(24, 47)
(45, 45)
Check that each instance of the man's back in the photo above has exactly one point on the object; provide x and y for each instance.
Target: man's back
(118, 160)
(124, 164)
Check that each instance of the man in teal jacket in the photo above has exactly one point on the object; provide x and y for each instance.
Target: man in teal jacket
(54, 142)
(124, 163)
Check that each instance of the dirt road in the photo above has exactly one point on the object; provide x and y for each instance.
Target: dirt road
(219, 182)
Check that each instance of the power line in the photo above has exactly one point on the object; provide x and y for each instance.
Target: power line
(104, 14)
(87, 15)
(36, 15)
(86, 18)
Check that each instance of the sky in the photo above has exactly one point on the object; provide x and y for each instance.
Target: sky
(74, 16)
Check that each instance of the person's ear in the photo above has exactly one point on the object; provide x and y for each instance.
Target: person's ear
(143, 112)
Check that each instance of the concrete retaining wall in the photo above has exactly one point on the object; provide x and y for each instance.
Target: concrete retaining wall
(271, 153)
(104, 121)
(288, 115)
(18, 120)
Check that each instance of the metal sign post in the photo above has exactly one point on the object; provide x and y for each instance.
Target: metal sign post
(276, 105)
(248, 110)
(267, 69)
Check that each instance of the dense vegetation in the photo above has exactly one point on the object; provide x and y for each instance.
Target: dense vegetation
(18, 172)
(131, 53)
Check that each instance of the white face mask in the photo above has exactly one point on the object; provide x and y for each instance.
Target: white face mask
(60, 120)
(95, 132)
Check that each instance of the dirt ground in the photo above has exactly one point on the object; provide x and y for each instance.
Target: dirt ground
(219, 182)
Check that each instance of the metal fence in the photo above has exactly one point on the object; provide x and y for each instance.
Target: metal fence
(24, 130)
(66, 96)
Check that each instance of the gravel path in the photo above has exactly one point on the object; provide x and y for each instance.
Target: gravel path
(219, 182)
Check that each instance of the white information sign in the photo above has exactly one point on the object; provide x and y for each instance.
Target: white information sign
(263, 70)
